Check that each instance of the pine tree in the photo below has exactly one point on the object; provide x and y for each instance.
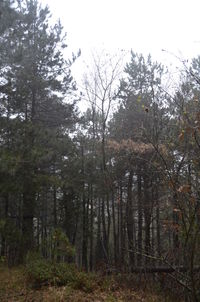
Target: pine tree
(37, 104)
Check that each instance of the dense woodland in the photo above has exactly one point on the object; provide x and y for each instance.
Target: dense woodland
(116, 188)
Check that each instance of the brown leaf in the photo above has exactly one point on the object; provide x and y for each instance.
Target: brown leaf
(184, 189)
(181, 135)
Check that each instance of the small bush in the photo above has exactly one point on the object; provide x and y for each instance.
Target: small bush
(39, 272)
(33, 256)
(42, 272)
(62, 248)
(84, 281)
(45, 272)
(63, 273)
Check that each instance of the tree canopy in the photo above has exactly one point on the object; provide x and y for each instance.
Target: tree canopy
(105, 188)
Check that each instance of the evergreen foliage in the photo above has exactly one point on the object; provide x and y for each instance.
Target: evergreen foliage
(109, 189)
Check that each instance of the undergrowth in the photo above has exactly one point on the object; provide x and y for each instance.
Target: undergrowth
(44, 281)
(41, 272)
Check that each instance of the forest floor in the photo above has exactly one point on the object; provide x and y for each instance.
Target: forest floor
(14, 287)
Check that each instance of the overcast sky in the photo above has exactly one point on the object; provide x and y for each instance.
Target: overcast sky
(143, 25)
(146, 26)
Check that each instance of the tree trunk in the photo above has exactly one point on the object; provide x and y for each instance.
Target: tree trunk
(130, 220)
(55, 206)
(91, 230)
(158, 224)
(84, 217)
(3, 240)
(98, 253)
(121, 223)
(139, 193)
(147, 216)
(104, 241)
(175, 231)
(27, 221)
(114, 230)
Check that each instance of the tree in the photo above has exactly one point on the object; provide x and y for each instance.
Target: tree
(38, 98)
(100, 91)
(138, 121)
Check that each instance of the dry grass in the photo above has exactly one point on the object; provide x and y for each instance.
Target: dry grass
(14, 287)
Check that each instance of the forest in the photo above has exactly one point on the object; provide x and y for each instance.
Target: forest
(112, 190)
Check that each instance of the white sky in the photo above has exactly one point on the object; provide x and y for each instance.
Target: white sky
(146, 26)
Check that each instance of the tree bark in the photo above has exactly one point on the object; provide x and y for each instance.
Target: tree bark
(91, 260)
(147, 216)
(130, 220)
(114, 229)
(139, 193)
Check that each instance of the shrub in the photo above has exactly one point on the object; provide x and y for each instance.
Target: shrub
(84, 281)
(63, 273)
(39, 272)
(43, 272)
(61, 246)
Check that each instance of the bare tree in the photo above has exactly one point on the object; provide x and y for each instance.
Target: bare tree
(100, 90)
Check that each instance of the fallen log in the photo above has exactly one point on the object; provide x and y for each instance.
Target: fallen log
(163, 269)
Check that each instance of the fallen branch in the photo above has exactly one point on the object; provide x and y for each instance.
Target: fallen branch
(163, 269)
